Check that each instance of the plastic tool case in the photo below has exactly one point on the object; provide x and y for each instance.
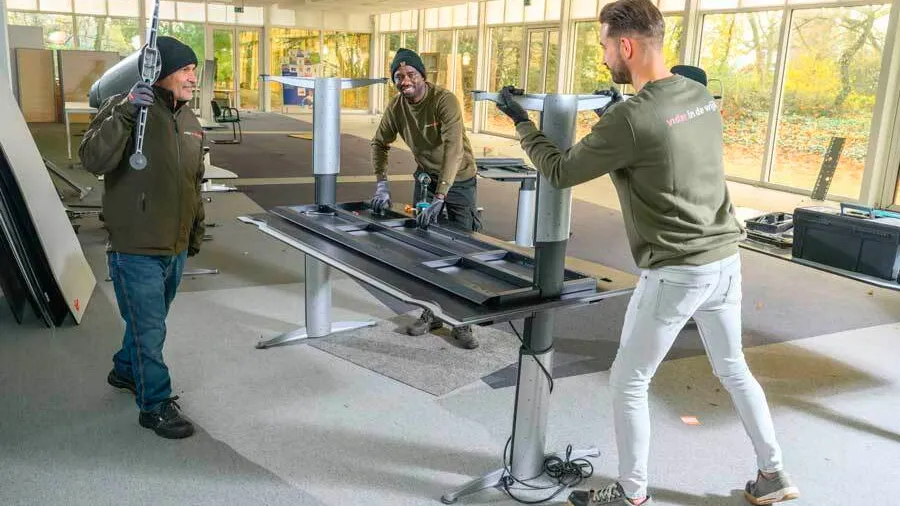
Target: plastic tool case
(867, 246)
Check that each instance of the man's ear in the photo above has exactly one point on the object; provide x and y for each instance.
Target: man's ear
(626, 47)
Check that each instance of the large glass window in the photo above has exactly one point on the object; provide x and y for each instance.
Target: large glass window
(833, 66)
(121, 35)
(293, 52)
(438, 65)
(506, 66)
(223, 54)
(590, 72)
(248, 65)
(741, 51)
(674, 39)
(347, 55)
(467, 47)
(59, 30)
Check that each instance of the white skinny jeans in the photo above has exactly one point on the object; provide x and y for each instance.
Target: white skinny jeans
(663, 301)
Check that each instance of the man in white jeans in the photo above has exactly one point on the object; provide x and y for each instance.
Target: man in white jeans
(662, 149)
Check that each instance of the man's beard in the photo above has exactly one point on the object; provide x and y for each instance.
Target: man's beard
(620, 75)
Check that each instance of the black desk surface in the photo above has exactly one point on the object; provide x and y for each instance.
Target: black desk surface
(448, 307)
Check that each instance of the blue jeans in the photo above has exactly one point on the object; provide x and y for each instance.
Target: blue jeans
(145, 287)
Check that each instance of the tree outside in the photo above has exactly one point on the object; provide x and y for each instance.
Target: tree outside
(831, 78)
(833, 67)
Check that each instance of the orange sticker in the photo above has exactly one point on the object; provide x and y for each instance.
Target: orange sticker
(690, 420)
(77, 305)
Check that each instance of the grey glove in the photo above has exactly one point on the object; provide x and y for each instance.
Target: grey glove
(431, 213)
(382, 199)
(510, 107)
(141, 95)
(614, 98)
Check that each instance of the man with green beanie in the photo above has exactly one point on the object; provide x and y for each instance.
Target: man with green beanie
(154, 218)
(429, 119)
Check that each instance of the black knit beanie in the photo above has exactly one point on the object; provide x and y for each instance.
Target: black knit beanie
(408, 57)
(174, 55)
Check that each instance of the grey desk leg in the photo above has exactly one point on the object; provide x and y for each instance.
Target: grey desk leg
(317, 307)
(525, 213)
(68, 134)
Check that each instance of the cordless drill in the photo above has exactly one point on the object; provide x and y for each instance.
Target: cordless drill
(424, 180)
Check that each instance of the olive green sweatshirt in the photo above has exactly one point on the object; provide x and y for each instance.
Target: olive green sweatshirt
(435, 133)
(663, 150)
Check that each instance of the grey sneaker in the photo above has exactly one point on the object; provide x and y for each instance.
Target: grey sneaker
(426, 323)
(613, 495)
(769, 491)
(464, 336)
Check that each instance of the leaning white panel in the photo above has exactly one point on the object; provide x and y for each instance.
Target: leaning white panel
(70, 268)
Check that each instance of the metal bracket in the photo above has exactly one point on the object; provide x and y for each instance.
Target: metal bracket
(535, 101)
(310, 82)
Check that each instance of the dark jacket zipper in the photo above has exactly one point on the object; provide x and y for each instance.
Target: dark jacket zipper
(178, 179)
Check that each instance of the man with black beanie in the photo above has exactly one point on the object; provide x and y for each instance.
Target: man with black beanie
(429, 119)
(154, 218)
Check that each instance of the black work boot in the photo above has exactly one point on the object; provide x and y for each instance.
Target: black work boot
(167, 421)
(426, 323)
(121, 382)
(464, 336)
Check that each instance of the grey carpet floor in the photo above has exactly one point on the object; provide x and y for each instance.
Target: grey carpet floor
(433, 363)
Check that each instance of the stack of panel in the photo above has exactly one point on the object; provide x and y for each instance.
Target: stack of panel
(41, 261)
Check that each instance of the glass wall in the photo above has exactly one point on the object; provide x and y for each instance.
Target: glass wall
(249, 67)
(347, 55)
(223, 55)
(467, 49)
(59, 30)
(506, 69)
(741, 50)
(121, 35)
(590, 73)
(438, 65)
(833, 66)
(289, 46)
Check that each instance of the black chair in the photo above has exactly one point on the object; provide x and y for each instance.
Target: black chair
(228, 115)
(699, 75)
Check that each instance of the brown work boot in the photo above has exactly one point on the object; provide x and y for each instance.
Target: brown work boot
(464, 336)
(426, 323)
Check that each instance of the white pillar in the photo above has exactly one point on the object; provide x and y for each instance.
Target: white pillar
(5, 64)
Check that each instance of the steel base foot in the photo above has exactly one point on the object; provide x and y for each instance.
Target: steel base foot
(493, 479)
(200, 272)
(301, 333)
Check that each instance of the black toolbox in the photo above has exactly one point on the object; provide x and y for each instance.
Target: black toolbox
(867, 246)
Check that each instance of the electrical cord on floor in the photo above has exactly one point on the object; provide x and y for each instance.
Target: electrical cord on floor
(533, 356)
(568, 473)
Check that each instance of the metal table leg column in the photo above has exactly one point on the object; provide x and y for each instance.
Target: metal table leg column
(533, 387)
(525, 213)
(318, 309)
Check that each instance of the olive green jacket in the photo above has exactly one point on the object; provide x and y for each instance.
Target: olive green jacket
(158, 210)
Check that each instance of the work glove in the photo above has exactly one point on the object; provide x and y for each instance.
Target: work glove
(510, 107)
(192, 251)
(382, 199)
(431, 213)
(614, 98)
(141, 95)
